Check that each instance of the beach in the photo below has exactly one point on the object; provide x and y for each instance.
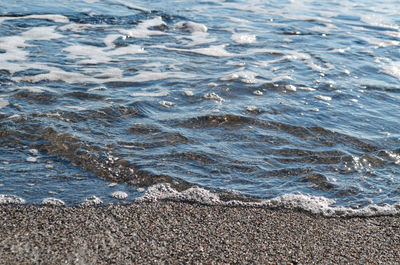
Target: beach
(187, 233)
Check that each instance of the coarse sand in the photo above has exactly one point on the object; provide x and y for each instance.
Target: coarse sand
(186, 233)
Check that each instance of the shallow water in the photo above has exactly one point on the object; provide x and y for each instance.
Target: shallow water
(253, 98)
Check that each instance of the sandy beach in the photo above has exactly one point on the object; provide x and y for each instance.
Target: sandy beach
(183, 233)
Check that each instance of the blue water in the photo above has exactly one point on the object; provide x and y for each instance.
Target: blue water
(259, 98)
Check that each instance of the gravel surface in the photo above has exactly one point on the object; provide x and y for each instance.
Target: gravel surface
(183, 233)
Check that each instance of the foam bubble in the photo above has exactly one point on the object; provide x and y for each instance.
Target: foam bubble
(55, 18)
(3, 103)
(56, 75)
(33, 152)
(213, 50)
(246, 77)
(230, 77)
(92, 200)
(52, 17)
(31, 159)
(150, 94)
(53, 201)
(312, 204)
(392, 68)
(11, 45)
(120, 195)
(166, 192)
(242, 38)
(142, 30)
(145, 76)
(95, 55)
(166, 103)
(290, 88)
(11, 199)
(213, 96)
(191, 27)
(41, 33)
(325, 98)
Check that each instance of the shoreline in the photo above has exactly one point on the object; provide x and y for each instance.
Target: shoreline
(190, 233)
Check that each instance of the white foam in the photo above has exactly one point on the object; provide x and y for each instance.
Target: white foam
(33, 152)
(95, 55)
(74, 27)
(120, 195)
(312, 204)
(145, 76)
(41, 33)
(53, 201)
(131, 6)
(188, 93)
(31, 159)
(213, 96)
(392, 68)
(166, 103)
(36, 89)
(109, 40)
(92, 200)
(242, 38)
(11, 45)
(230, 77)
(52, 17)
(7, 199)
(150, 94)
(325, 98)
(247, 77)
(3, 103)
(290, 88)
(142, 30)
(191, 27)
(196, 38)
(213, 50)
(56, 75)
(55, 18)
(166, 192)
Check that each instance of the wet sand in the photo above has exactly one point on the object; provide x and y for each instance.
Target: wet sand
(183, 233)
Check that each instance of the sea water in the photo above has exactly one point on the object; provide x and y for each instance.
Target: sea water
(270, 103)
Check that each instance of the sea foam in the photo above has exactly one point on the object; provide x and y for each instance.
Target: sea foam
(318, 205)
